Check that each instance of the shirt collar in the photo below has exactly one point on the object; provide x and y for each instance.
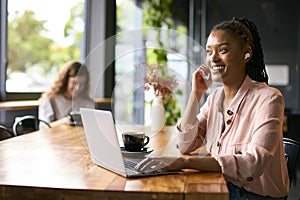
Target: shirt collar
(240, 95)
(243, 90)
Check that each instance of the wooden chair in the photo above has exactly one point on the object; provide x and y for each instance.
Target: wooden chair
(27, 124)
(5, 133)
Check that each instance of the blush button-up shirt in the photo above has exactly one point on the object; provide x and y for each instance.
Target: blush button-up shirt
(250, 148)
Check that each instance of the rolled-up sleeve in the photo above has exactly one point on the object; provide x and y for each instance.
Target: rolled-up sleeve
(188, 140)
(193, 136)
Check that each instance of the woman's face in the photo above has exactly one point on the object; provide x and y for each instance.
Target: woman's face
(225, 56)
(76, 85)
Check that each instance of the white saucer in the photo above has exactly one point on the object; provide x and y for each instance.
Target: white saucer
(145, 150)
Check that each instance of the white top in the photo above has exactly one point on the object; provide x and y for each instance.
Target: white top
(51, 109)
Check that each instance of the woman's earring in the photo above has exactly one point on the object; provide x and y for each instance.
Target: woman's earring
(247, 55)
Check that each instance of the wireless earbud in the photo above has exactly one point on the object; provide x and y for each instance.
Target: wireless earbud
(247, 55)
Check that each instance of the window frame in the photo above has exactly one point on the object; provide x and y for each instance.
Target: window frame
(109, 31)
(3, 44)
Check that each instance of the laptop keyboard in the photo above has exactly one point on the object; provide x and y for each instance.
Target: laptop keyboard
(131, 163)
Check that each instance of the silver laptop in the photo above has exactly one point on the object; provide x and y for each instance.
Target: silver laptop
(104, 147)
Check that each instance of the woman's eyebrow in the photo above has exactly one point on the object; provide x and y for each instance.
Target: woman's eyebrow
(221, 44)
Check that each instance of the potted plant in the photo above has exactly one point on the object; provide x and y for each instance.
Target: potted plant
(158, 75)
(164, 84)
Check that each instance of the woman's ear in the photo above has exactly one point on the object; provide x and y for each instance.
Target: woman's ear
(248, 53)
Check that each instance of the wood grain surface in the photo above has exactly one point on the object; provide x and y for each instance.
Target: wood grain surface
(55, 164)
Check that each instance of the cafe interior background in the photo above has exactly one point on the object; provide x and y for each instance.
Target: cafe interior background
(114, 39)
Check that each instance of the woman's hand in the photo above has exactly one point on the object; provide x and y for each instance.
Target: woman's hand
(201, 80)
(206, 163)
(161, 164)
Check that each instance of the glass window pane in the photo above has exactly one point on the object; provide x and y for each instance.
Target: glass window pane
(42, 36)
(135, 44)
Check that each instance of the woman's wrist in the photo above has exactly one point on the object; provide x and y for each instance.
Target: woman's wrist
(207, 163)
(197, 94)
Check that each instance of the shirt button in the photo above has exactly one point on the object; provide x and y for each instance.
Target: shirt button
(229, 112)
(228, 122)
(218, 144)
(250, 179)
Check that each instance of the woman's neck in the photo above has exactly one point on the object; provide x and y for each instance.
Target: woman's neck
(232, 88)
(67, 96)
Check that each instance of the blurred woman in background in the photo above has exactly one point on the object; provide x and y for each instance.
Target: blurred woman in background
(69, 92)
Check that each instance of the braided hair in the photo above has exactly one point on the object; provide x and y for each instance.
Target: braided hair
(249, 35)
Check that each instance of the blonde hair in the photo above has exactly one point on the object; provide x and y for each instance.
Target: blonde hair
(69, 69)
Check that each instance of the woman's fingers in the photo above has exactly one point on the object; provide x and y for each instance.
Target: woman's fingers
(148, 165)
(143, 164)
(205, 72)
(156, 164)
(202, 78)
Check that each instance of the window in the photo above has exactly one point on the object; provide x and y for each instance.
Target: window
(41, 36)
(134, 44)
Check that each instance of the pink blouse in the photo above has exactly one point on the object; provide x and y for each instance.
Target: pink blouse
(250, 149)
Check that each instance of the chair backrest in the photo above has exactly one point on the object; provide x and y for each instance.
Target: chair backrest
(291, 149)
(27, 124)
(5, 133)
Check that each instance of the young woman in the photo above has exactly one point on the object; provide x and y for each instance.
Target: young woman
(69, 92)
(240, 123)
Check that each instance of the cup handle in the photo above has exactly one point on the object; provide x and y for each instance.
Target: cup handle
(147, 140)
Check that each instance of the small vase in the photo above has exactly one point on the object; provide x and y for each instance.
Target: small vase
(157, 114)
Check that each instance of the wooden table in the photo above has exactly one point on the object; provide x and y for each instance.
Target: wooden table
(33, 104)
(19, 105)
(55, 164)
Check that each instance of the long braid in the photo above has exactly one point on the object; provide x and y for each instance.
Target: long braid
(249, 35)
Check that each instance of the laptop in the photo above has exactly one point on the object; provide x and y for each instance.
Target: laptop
(104, 147)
